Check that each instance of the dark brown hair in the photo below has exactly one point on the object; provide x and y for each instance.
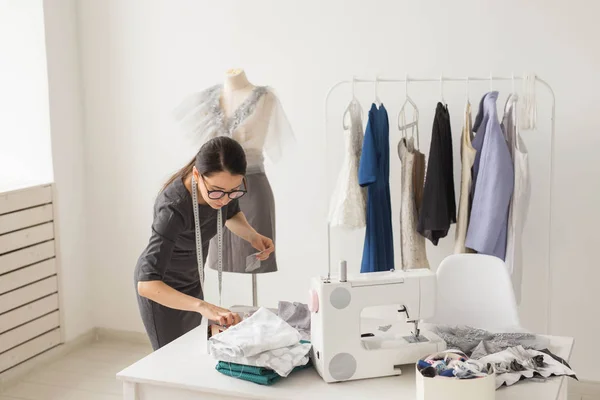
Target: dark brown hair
(220, 154)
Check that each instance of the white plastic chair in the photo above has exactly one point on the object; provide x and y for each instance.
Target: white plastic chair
(475, 290)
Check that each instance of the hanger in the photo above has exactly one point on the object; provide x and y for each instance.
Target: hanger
(442, 88)
(354, 101)
(513, 82)
(468, 96)
(402, 125)
(491, 82)
(377, 99)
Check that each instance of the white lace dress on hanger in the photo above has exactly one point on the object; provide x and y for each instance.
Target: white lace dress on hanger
(349, 201)
(519, 206)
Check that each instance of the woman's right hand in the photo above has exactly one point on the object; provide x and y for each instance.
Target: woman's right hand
(220, 315)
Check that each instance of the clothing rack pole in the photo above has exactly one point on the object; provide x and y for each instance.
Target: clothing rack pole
(467, 80)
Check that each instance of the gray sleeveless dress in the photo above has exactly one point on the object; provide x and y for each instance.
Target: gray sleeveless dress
(414, 253)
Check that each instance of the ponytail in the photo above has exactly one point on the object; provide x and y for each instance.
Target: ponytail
(183, 172)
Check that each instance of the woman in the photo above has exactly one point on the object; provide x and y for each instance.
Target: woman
(167, 274)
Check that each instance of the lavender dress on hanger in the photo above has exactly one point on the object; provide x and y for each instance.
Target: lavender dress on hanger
(493, 183)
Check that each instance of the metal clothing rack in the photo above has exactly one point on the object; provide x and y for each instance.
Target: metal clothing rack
(466, 79)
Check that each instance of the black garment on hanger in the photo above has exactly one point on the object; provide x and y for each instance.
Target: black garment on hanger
(438, 210)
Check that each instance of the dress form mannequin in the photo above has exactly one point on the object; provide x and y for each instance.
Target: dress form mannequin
(236, 89)
(254, 117)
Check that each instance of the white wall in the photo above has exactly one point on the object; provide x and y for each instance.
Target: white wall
(25, 156)
(140, 57)
(66, 110)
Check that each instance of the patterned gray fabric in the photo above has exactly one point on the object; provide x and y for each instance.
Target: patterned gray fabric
(515, 364)
(477, 343)
(297, 315)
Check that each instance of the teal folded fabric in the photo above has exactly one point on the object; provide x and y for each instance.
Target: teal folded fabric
(259, 375)
(262, 376)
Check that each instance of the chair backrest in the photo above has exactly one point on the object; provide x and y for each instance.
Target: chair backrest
(475, 290)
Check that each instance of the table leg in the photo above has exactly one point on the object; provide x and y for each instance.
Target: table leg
(563, 393)
(130, 391)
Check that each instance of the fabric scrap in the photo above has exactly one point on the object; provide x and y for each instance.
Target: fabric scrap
(477, 343)
(517, 363)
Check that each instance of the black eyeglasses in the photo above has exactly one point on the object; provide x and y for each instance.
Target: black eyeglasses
(218, 194)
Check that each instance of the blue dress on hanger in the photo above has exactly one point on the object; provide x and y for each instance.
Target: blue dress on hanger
(374, 173)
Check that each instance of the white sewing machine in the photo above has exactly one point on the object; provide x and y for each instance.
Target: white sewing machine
(347, 346)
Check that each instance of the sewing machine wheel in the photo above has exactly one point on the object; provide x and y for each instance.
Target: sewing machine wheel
(342, 366)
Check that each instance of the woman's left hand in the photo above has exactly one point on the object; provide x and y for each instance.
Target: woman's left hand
(263, 244)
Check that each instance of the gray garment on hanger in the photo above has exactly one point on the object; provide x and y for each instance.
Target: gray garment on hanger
(170, 257)
(412, 244)
(493, 184)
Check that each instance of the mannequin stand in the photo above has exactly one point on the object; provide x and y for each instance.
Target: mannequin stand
(254, 291)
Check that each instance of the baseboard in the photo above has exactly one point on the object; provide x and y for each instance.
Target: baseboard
(11, 376)
(124, 336)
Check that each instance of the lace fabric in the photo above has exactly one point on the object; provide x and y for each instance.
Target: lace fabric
(477, 343)
(259, 124)
(349, 202)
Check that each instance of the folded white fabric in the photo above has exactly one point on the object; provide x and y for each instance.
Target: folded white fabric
(282, 360)
(262, 340)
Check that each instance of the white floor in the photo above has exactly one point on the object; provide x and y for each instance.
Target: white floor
(89, 374)
(85, 374)
(584, 390)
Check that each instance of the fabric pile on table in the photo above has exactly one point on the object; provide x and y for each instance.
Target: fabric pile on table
(477, 343)
(514, 356)
(452, 364)
(296, 314)
(264, 341)
(259, 375)
(516, 363)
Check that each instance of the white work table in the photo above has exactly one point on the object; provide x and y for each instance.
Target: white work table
(183, 371)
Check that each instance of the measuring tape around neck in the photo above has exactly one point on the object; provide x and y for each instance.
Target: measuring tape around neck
(199, 252)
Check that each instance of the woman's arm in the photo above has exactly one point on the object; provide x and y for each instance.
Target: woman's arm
(238, 224)
(165, 295)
